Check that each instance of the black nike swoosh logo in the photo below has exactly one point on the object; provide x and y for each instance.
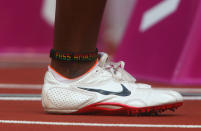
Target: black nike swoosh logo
(124, 92)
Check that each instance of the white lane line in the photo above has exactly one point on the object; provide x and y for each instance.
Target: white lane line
(39, 98)
(20, 98)
(96, 124)
(196, 90)
(39, 86)
(192, 98)
(21, 86)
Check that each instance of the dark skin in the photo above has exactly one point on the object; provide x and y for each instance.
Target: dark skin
(77, 24)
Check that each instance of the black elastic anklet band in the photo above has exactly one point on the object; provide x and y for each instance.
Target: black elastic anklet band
(70, 56)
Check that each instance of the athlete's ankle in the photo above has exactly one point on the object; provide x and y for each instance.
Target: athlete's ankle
(72, 69)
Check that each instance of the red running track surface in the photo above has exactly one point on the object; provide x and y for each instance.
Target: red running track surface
(189, 114)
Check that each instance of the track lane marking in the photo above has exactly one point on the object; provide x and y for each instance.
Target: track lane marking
(37, 97)
(20, 98)
(96, 124)
(39, 86)
(20, 86)
(188, 93)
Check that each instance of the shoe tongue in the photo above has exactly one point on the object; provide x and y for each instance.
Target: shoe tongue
(103, 58)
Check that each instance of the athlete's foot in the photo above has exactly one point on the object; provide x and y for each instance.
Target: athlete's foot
(107, 89)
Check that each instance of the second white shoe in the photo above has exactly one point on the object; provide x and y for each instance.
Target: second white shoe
(107, 89)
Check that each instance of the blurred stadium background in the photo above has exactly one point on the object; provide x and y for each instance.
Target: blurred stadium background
(159, 39)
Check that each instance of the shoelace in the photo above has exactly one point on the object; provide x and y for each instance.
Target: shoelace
(117, 71)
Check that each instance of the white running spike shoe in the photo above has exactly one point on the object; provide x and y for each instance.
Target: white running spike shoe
(106, 90)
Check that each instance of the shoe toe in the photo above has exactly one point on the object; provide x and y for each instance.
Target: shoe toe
(177, 95)
(165, 98)
(168, 96)
(153, 97)
(141, 85)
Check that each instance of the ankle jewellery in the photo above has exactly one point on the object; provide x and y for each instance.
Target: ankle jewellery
(70, 56)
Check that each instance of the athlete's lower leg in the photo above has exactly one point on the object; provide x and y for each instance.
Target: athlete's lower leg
(77, 25)
(108, 89)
